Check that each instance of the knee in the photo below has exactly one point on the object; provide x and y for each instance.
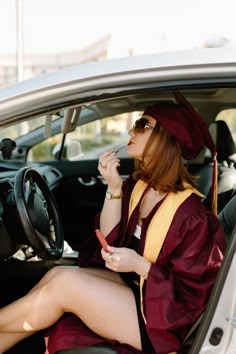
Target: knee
(60, 276)
(54, 271)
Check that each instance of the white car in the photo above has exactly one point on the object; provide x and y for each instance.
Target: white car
(54, 127)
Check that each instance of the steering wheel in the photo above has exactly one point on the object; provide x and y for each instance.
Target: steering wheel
(39, 214)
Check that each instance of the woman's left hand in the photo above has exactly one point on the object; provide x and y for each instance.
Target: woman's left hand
(122, 259)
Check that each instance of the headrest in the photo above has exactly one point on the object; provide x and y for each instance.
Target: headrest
(223, 140)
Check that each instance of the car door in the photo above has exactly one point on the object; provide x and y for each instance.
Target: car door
(81, 189)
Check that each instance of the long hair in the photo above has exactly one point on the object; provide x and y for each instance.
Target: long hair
(165, 171)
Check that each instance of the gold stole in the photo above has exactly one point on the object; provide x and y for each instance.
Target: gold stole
(160, 223)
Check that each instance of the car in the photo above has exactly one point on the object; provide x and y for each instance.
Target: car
(54, 128)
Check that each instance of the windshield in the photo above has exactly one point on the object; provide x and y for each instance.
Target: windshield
(17, 130)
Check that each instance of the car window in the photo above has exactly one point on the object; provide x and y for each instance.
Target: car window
(229, 116)
(89, 140)
(18, 130)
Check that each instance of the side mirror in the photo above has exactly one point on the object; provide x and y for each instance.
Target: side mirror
(72, 150)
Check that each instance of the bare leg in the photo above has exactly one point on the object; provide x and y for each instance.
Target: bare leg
(61, 293)
(10, 339)
(104, 273)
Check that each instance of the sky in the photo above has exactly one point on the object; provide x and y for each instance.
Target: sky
(55, 26)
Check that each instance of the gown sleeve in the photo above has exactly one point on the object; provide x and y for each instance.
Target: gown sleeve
(179, 283)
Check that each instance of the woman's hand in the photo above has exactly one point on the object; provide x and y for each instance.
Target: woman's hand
(124, 259)
(107, 166)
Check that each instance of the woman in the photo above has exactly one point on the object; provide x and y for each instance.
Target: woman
(140, 295)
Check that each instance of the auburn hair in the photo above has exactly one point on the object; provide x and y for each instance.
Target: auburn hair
(165, 171)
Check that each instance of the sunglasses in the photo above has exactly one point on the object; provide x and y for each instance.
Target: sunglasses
(140, 125)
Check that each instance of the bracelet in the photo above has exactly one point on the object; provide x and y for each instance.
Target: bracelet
(109, 195)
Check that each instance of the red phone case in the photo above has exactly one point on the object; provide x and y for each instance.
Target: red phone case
(102, 239)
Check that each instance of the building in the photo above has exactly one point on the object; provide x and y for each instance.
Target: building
(38, 64)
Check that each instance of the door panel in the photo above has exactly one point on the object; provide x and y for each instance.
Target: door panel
(80, 196)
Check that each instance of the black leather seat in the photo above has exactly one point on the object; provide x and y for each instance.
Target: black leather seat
(226, 187)
(227, 216)
(225, 146)
(226, 156)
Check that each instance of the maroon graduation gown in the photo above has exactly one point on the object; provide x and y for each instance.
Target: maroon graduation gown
(178, 284)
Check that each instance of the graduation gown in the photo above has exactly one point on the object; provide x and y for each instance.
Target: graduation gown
(178, 285)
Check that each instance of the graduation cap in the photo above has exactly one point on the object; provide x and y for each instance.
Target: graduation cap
(191, 131)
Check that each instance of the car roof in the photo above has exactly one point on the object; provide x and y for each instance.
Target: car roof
(75, 86)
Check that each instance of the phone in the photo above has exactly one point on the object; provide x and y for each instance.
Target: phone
(102, 239)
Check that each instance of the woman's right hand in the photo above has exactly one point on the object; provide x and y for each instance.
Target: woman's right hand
(123, 259)
(107, 166)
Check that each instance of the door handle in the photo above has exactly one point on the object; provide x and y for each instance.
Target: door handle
(90, 181)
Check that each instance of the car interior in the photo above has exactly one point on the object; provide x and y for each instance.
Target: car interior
(51, 190)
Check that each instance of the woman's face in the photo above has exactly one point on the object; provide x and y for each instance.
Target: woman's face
(138, 140)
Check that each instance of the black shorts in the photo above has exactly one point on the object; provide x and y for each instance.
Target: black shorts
(145, 341)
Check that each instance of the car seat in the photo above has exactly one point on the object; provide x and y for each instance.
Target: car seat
(227, 217)
(225, 146)
(226, 156)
